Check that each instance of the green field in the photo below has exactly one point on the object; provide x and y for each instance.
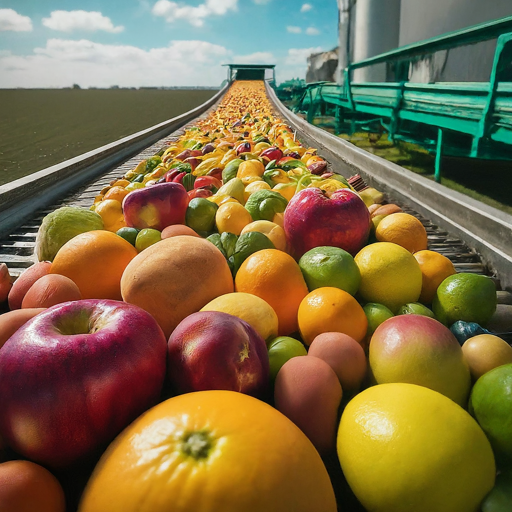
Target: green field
(43, 127)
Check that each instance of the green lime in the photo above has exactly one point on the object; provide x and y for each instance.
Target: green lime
(375, 314)
(330, 266)
(200, 215)
(129, 234)
(248, 244)
(229, 172)
(147, 237)
(491, 405)
(264, 204)
(468, 297)
(500, 497)
(282, 349)
(415, 308)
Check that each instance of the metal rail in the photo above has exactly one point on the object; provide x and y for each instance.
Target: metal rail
(483, 228)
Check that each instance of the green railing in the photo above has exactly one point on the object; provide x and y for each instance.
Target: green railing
(451, 111)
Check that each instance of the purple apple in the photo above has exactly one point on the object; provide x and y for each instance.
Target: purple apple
(156, 207)
(313, 219)
(417, 349)
(214, 350)
(77, 374)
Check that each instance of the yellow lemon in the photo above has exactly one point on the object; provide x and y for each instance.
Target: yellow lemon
(232, 218)
(254, 310)
(271, 230)
(390, 275)
(254, 186)
(407, 448)
(111, 212)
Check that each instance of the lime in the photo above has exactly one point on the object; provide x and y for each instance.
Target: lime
(129, 234)
(468, 297)
(500, 498)
(147, 237)
(491, 405)
(407, 448)
(281, 350)
(200, 215)
(248, 244)
(330, 266)
(376, 314)
(264, 204)
(415, 308)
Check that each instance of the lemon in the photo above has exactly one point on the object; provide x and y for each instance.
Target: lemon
(232, 218)
(390, 275)
(406, 448)
(254, 186)
(271, 230)
(255, 311)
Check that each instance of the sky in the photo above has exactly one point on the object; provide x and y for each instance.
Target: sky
(134, 43)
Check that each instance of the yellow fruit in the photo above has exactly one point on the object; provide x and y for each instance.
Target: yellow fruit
(111, 212)
(435, 268)
(219, 199)
(254, 310)
(485, 352)
(271, 230)
(389, 275)
(254, 186)
(134, 186)
(250, 170)
(406, 448)
(330, 309)
(402, 229)
(210, 451)
(232, 218)
(287, 190)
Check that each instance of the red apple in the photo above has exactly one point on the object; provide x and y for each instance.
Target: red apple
(157, 207)
(214, 350)
(272, 154)
(313, 219)
(75, 375)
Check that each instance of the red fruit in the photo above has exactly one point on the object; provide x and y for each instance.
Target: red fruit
(77, 374)
(170, 175)
(214, 350)
(11, 321)
(207, 181)
(272, 154)
(199, 192)
(193, 161)
(5, 282)
(51, 290)
(216, 173)
(179, 177)
(312, 219)
(245, 147)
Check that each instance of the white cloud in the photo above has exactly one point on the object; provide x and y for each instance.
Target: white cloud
(255, 58)
(295, 63)
(64, 62)
(300, 55)
(306, 7)
(173, 11)
(91, 21)
(293, 30)
(312, 31)
(12, 21)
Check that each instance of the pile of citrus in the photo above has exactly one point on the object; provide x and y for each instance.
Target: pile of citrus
(269, 275)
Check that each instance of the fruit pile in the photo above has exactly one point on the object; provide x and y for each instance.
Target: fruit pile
(228, 319)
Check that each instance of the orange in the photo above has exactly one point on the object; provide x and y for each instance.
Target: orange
(402, 229)
(276, 277)
(330, 309)
(435, 268)
(210, 451)
(95, 261)
(121, 183)
(111, 212)
(28, 487)
(117, 193)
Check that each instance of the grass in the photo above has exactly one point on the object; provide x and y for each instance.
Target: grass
(43, 127)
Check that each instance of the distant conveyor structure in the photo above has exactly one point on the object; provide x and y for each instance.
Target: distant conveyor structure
(476, 237)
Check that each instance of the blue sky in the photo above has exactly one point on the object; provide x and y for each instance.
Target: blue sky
(55, 43)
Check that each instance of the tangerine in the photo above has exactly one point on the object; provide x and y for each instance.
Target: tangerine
(402, 229)
(95, 261)
(435, 268)
(276, 277)
(330, 309)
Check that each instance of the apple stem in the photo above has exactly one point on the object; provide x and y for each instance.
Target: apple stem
(197, 445)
